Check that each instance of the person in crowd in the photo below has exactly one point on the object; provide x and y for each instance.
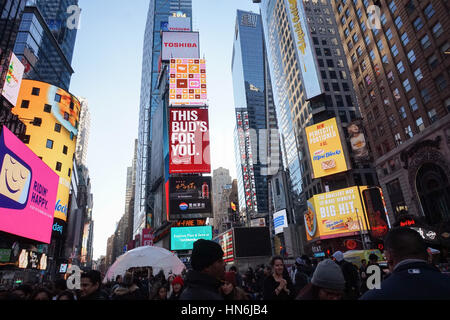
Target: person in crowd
(350, 271)
(363, 275)
(91, 286)
(278, 286)
(302, 275)
(230, 290)
(22, 292)
(42, 294)
(373, 260)
(66, 295)
(177, 288)
(116, 284)
(260, 277)
(239, 281)
(327, 283)
(208, 269)
(161, 292)
(169, 284)
(127, 290)
(412, 277)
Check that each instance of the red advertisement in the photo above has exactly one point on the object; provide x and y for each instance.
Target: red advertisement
(189, 141)
(147, 237)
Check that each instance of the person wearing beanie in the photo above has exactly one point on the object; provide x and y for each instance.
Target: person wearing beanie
(177, 288)
(208, 269)
(327, 283)
(230, 290)
(351, 275)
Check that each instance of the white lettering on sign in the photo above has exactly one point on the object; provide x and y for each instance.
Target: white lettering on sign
(187, 133)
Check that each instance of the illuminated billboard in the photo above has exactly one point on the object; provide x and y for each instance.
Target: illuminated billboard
(189, 141)
(280, 221)
(13, 80)
(184, 238)
(189, 198)
(27, 191)
(53, 132)
(306, 58)
(225, 240)
(325, 149)
(179, 24)
(180, 44)
(335, 214)
(187, 84)
(358, 141)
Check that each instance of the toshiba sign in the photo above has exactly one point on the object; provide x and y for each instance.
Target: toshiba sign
(180, 44)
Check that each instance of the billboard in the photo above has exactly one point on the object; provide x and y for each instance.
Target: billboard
(180, 44)
(376, 212)
(189, 198)
(306, 58)
(27, 192)
(184, 238)
(32, 260)
(226, 242)
(252, 242)
(335, 214)
(189, 141)
(187, 84)
(179, 24)
(280, 221)
(325, 149)
(13, 80)
(358, 141)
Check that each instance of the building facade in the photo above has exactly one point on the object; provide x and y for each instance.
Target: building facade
(221, 178)
(84, 129)
(398, 51)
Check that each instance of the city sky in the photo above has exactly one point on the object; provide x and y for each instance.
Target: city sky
(108, 62)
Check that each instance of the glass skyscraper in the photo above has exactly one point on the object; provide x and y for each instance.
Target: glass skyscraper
(158, 14)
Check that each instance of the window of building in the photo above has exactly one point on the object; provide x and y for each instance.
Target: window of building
(25, 104)
(336, 87)
(404, 38)
(343, 20)
(323, 74)
(429, 11)
(47, 108)
(368, 81)
(65, 149)
(343, 75)
(355, 38)
(326, 86)
(340, 63)
(333, 75)
(410, 7)
(351, 25)
(359, 51)
(345, 86)
(359, 13)
(389, 34)
(411, 56)
(57, 127)
(425, 41)
(398, 139)
(394, 50)
(315, 40)
(420, 124)
(413, 104)
(392, 121)
(445, 48)
(390, 76)
(380, 45)
(392, 6)
(367, 40)
(354, 59)
(66, 116)
(321, 64)
(418, 24)
(433, 61)
(432, 115)
(441, 82)
(402, 112)
(349, 102)
(343, 116)
(363, 27)
(372, 55)
(425, 95)
(418, 74)
(58, 166)
(49, 144)
(35, 91)
(408, 132)
(363, 65)
(381, 130)
(346, 32)
(400, 67)
(383, 19)
(318, 51)
(407, 85)
(398, 22)
(396, 93)
(57, 98)
(327, 51)
(437, 30)
(385, 59)
(70, 171)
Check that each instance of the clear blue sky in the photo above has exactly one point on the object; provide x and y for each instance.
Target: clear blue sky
(107, 63)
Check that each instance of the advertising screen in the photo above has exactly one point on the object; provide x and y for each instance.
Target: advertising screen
(189, 141)
(32, 260)
(184, 238)
(187, 82)
(180, 44)
(252, 242)
(307, 61)
(376, 212)
(27, 192)
(335, 214)
(13, 80)
(280, 221)
(189, 198)
(358, 141)
(325, 149)
(179, 24)
(226, 242)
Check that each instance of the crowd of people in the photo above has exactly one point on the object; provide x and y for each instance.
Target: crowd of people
(411, 275)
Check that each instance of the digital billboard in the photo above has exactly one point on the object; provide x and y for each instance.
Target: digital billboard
(184, 238)
(189, 141)
(280, 221)
(252, 242)
(187, 84)
(180, 44)
(307, 61)
(28, 191)
(13, 80)
(179, 24)
(358, 141)
(335, 214)
(225, 240)
(325, 149)
(189, 198)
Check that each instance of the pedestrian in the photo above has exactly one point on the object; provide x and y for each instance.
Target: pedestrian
(42, 294)
(66, 295)
(169, 284)
(412, 277)
(363, 275)
(302, 275)
(177, 288)
(91, 286)
(160, 292)
(127, 290)
(208, 269)
(230, 290)
(278, 285)
(327, 283)
(351, 275)
(22, 292)
(239, 281)
(117, 283)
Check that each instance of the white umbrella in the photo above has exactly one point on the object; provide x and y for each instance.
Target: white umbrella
(147, 256)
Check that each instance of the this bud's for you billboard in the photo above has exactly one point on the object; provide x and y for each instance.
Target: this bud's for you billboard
(28, 189)
(189, 141)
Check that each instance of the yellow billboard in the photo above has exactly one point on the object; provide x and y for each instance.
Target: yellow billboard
(335, 214)
(325, 149)
(52, 128)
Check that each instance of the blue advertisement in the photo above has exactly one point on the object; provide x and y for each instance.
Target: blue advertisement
(183, 238)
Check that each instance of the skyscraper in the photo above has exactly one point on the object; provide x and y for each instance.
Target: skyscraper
(400, 62)
(221, 178)
(84, 129)
(157, 18)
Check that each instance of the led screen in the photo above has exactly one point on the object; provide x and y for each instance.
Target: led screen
(184, 238)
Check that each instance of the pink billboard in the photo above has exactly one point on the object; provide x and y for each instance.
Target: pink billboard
(28, 189)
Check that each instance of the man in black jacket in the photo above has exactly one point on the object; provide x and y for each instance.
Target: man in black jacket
(203, 282)
(352, 281)
(412, 277)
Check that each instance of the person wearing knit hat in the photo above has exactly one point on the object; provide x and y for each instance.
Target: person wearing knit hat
(229, 290)
(327, 283)
(203, 282)
(177, 285)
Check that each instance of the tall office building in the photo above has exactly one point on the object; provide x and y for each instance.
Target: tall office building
(221, 178)
(84, 129)
(255, 114)
(158, 13)
(400, 68)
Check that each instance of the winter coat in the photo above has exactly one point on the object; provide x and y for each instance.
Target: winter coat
(417, 280)
(270, 284)
(352, 281)
(200, 286)
(97, 295)
(127, 293)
